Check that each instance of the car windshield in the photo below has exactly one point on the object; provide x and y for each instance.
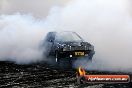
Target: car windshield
(67, 37)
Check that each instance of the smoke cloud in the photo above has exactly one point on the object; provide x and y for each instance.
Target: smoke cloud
(104, 23)
(38, 8)
(20, 36)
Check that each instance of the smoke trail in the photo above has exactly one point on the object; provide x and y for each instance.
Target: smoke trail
(104, 23)
(20, 36)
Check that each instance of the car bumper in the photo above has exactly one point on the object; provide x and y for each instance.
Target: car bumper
(72, 54)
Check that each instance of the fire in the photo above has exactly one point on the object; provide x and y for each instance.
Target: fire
(81, 71)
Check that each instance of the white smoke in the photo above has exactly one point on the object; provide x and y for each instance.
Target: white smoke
(104, 23)
(38, 8)
(20, 36)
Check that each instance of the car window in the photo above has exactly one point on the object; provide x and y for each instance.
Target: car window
(67, 36)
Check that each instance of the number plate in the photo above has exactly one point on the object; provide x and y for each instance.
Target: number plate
(79, 53)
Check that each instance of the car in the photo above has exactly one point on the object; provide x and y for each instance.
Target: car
(66, 45)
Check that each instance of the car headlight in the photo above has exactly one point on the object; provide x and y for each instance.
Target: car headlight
(86, 48)
(67, 48)
(61, 45)
(64, 49)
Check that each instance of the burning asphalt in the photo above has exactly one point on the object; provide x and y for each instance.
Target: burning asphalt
(45, 75)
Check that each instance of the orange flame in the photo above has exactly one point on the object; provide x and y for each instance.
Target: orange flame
(81, 71)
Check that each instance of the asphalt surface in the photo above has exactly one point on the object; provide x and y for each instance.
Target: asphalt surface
(46, 76)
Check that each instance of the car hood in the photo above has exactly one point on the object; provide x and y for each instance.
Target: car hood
(75, 43)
